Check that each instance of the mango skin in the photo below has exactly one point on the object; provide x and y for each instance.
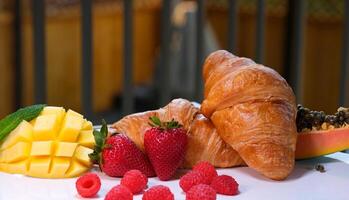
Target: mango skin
(318, 143)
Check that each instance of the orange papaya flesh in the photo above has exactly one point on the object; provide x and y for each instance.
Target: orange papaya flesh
(318, 143)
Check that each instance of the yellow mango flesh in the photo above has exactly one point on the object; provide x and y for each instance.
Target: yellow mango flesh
(23, 132)
(56, 144)
(71, 128)
(86, 138)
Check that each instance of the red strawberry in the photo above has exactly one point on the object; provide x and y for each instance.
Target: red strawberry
(117, 154)
(165, 144)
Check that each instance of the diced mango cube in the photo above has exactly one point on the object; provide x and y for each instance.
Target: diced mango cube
(81, 154)
(41, 148)
(65, 149)
(15, 168)
(58, 111)
(2, 158)
(46, 127)
(23, 132)
(71, 128)
(15, 153)
(59, 167)
(76, 169)
(73, 113)
(87, 126)
(87, 139)
(39, 166)
(32, 122)
(3, 167)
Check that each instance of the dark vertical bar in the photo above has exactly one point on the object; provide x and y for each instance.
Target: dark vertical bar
(127, 100)
(87, 59)
(260, 31)
(344, 80)
(232, 25)
(38, 13)
(165, 92)
(17, 57)
(200, 47)
(297, 48)
(288, 41)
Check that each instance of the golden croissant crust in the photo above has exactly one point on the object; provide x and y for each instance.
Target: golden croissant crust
(254, 111)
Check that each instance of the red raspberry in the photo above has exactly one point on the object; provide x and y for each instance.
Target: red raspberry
(88, 185)
(201, 192)
(158, 192)
(119, 192)
(135, 180)
(190, 179)
(207, 170)
(225, 184)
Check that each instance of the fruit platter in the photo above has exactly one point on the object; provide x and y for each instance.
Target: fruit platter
(248, 139)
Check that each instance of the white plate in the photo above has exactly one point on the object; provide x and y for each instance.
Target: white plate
(303, 183)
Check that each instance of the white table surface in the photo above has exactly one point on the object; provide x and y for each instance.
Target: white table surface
(303, 183)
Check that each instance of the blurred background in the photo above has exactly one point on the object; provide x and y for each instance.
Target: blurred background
(108, 58)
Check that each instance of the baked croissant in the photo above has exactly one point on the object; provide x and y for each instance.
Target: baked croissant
(204, 143)
(253, 109)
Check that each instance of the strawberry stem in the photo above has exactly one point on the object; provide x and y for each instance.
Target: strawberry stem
(100, 138)
(156, 122)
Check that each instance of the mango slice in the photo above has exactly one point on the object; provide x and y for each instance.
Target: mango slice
(56, 144)
(23, 132)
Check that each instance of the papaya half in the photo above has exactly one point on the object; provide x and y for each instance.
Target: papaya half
(322, 142)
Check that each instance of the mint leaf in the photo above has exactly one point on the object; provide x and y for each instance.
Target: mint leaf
(10, 122)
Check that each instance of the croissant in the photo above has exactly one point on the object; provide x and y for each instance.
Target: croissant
(204, 143)
(253, 109)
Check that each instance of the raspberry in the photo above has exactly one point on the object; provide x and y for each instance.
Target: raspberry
(201, 192)
(207, 170)
(135, 180)
(190, 179)
(158, 192)
(119, 192)
(225, 184)
(88, 185)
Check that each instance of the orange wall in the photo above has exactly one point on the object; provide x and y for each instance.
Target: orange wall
(322, 53)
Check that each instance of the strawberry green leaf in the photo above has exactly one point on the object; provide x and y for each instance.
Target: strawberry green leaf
(155, 120)
(100, 138)
(104, 128)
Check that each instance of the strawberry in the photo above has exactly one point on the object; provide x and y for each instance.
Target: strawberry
(165, 144)
(117, 154)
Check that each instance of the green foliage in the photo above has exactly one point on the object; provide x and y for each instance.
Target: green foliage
(100, 138)
(155, 122)
(10, 122)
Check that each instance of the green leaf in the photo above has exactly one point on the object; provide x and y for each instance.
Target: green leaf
(100, 138)
(10, 122)
(155, 120)
(172, 124)
(104, 128)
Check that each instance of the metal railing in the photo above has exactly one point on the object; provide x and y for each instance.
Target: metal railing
(293, 58)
